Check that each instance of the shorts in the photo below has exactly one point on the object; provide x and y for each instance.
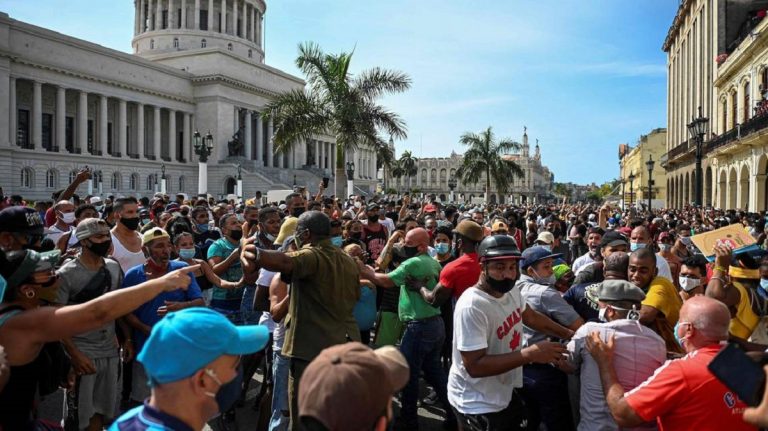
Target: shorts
(99, 392)
(513, 417)
(140, 390)
(389, 329)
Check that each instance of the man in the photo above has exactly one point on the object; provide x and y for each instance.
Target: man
(545, 240)
(295, 205)
(488, 355)
(499, 228)
(94, 354)
(157, 246)
(204, 236)
(693, 273)
(610, 243)
(65, 220)
(640, 351)
(545, 387)
(375, 235)
(224, 258)
(682, 394)
(661, 306)
(594, 236)
(641, 238)
(20, 228)
(126, 242)
(199, 383)
(348, 378)
(325, 286)
(424, 329)
(577, 235)
(582, 297)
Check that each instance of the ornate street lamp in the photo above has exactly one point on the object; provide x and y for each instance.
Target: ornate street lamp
(452, 185)
(163, 182)
(632, 188)
(203, 148)
(649, 164)
(698, 128)
(350, 178)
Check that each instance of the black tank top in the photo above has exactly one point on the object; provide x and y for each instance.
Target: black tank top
(17, 399)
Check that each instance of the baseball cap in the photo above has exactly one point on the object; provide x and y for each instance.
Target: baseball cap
(172, 208)
(626, 231)
(185, 341)
(96, 201)
(535, 254)
(90, 227)
(153, 234)
(372, 206)
(430, 208)
(22, 220)
(664, 236)
(619, 290)
(348, 386)
(499, 225)
(33, 262)
(470, 229)
(613, 239)
(560, 270)
(546, 237)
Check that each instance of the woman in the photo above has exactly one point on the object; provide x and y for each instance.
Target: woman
(365, 309)
(353, 233)
(205, 277)
(25, 326)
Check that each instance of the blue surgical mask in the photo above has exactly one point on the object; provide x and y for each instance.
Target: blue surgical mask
(337, 241)
(187, 253)
(442, 248)
(636, 246)
(547, 248)
(203, 227)
(3, 286)
(677, 337)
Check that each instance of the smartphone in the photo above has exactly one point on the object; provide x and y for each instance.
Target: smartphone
(739, 373)
(326, 180)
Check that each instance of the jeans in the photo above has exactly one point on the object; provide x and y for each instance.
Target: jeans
(248, 315)
(512, 418)
(545, 392)
(280, 416)
(421, 347)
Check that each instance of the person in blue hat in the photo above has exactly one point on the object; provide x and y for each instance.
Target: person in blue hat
(192, 360)
(545, 388)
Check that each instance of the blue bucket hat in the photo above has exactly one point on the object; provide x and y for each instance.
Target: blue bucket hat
(186, 341)
(536, 254)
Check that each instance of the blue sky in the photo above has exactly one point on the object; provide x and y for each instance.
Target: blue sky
(584, 75)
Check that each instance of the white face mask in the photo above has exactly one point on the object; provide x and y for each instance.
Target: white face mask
(68, 218)
(688, 284)
(358, 204)
(601, 314)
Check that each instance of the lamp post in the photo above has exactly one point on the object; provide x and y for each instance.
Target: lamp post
(163, 182)
(452, 185)
(623, 197)
(239, 181)
(350, 178)
(649, 164)
(698, 128)
(632, 188)
(100, 183)
(203, 148)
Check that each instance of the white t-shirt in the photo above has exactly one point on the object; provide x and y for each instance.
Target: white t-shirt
(495, 324)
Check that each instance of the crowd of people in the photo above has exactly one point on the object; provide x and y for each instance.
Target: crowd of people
(156, 313)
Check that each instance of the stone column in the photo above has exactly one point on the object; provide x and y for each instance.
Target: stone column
(223, 28)
(270, 144)
(140, 139)
(254, 30)
(171, 15)
(61, 118)
(143, 18)
(136, 16)
(259, 139)
(234, 18)
(37, 115)
(210, 15)
(186, 143)
(82, 123)
(245, 20)
(332, 159)
(248, 141)
(13, 124)
(159, 15)
(196, 18)
(103, 125)
(172, 138)
(157, 144)
(317, 153)
(122, 125)
(183, 14)
(322, 155)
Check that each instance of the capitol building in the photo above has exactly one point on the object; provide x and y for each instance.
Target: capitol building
(196, 65)
(434, 173)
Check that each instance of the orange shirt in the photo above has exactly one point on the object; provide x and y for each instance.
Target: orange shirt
(683, 395)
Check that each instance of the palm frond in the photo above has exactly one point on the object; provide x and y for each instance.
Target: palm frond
(377, 82)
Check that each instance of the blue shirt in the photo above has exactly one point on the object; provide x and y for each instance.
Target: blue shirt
(582, 298)
(365, 308)
(147, 418)
(147, 312)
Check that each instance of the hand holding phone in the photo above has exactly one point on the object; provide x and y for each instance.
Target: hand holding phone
(739, 373)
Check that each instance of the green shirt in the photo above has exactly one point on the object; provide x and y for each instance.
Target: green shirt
(223, 248)
(412, 306)
(325, 286)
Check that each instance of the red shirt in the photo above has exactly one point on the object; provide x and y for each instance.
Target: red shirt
(461, 274)
(683, 395)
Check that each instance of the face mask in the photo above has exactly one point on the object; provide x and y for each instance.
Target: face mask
(636, 246)
(688, 284)
(203, 227)
(547, 248)
(297, 240)
(99, 208)
(677, 337)
(68, 218)
(100, 249)
(337, 241)
(501, 286)
(236, 235)
(356, 235)
(601, 314)
(145, 221)
(686, 240)
(187, 253)
(764, 283)
(270, 237)
(297, 211)
(130, 223)
(228, 393)
(358, 204)
(547, 281)
(3, 286)
(664, 247)
(410, 251)
(442, 248)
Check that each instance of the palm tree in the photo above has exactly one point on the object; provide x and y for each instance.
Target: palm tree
(484, 156)
(385, 157)
(336, 103)
(408, 164)
(397, 170)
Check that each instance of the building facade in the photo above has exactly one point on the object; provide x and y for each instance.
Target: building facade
(633, 164)
(196, 65)
(717, 57)
(434, 172)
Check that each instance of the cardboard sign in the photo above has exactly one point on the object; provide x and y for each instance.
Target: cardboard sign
(733, 236)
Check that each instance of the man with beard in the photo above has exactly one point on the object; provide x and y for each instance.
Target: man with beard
(374, 233)
(126, 242)
(157, 245)
(295, 205)
(487, 351)
(594, 236)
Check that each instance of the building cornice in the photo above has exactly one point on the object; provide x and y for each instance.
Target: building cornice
(674, 29)
(217, 78)
(747, 51)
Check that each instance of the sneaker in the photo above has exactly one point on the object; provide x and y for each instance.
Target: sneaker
(430, 399)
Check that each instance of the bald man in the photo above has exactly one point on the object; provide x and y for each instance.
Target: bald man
(641, 238)
(682, 394)
(424, 330)
(65, 220)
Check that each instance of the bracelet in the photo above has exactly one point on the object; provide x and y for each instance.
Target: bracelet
(721, 280)
(720, 268)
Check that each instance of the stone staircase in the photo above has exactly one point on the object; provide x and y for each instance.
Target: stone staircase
(257, 177)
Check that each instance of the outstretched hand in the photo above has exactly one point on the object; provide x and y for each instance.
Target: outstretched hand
(179, 279)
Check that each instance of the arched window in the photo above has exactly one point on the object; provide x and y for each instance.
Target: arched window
(747, 107)
(443, 174)
(97, 178)
(27, 178)
(250, 53)
(433, 176)
(116, 181)
(152, 44)
(724, 117)
(150, 182)
(134, 182)
(175, 42)
(229, 47)
(72, 176)
(181, 184)
(424, 176)
(51, 178)
(203, 43)
(764, 82)
(734, 108)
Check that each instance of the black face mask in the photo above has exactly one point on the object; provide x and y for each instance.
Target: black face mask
(355, 235)
(373, 218)
(100, 249)
(410, 251)
(297, 211)
(501, 286)
(130, 223)
(236, 235)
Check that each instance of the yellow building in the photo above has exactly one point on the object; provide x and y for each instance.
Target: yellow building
(634, 170)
